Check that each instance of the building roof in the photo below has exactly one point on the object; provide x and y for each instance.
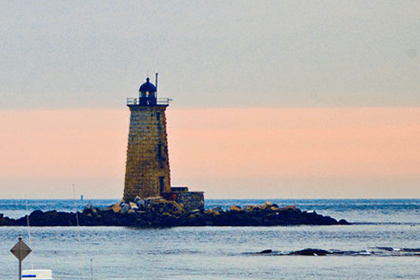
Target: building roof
(147, 87)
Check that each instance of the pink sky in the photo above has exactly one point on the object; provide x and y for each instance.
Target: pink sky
(228, 153)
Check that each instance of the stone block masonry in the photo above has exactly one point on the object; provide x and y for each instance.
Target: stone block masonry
(189, 200)
(147, 166)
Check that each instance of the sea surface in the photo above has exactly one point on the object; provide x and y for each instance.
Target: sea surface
(382, 243)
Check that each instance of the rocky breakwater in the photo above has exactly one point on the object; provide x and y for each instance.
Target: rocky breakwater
(158, 212)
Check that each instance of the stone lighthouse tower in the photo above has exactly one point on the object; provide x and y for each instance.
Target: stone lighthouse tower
(147, 166)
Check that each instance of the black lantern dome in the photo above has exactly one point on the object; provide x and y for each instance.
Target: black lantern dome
(148, 94)
(147, 87)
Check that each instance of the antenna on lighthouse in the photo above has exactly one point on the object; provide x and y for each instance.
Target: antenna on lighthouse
(156, 81)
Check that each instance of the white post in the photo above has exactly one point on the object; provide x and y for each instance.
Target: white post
(20, 270)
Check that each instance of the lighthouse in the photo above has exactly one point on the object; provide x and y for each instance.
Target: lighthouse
(147, 171)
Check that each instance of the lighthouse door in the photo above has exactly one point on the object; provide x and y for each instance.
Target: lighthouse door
(161, 184)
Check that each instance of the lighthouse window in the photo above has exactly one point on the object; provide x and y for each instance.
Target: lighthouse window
(159, 124)
(161, 184)
(160, 156)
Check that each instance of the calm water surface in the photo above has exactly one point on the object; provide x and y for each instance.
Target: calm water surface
(384, 244)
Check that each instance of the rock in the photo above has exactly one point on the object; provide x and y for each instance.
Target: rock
(6, 221)
(289, 207)
(173, 207)
(133, 206)
(235, 208)
(89, 209)
(49, 218)
(248, 208)
(164, 213)
(343, 222)
(212, 212)
(139, 202)
(218, 209)
(310, 252)
(266, 205)
(154, 200)
(116, 208)
(125, 207)
(268, 251)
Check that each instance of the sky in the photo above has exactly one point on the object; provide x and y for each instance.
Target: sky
(271, 99)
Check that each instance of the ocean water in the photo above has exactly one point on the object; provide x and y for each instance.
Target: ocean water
(383, 243)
